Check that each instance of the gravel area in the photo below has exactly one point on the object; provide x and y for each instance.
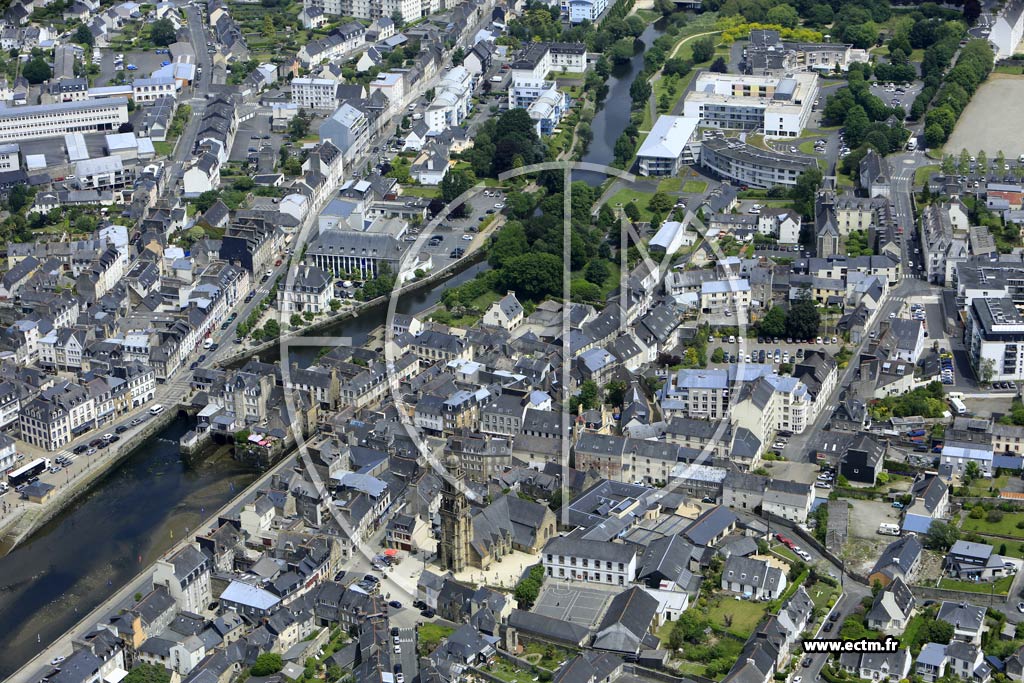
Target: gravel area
(992, 120)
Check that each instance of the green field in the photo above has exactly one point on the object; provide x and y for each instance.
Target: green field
(922, 174)
(430, 636)
(695, 187)
(745, 615)
(427, 191)
(1000, 587)
(1007, 526)
(626, 195)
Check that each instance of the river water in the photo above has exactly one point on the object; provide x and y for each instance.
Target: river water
(613, 117)
(125, 522)
(135, 513)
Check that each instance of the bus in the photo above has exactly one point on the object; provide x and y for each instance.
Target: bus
(958, 405)
(24, 474)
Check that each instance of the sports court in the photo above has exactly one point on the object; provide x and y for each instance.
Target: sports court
(576, 603)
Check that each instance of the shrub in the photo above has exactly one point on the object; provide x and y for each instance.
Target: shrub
(995, 516)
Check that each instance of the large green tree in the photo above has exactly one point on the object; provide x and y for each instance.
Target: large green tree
(703, 49)
(36, 70)
(803, 319)
(533, 276)
(162, 32)
(773, 324)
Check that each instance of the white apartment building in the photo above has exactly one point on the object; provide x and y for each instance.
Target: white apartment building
(452, 100)
(308, 290)
(10, 157)
(186, 576)
(541, 59)
(315, 93)
(730, 296)
(995, 339)
(145, 90)
(59, 414)
(781, 106)
(391, 84)
(30, 122)
(752, 166)
(613, 564)
(103, 173)
(584, 10)
(667, 147)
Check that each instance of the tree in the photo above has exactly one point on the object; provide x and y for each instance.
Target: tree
(162, 33)
(986, 370)
(703, 49)
(148, 673)
(268, 29)
(615, 392)
(533, 276)
(458, 56)
(453, 185)
(941, 535)
(719, 66)
(972, 472)
(266, 664)
(948, 165)
(803, 319)
(934, 135)
(509, 242)
(936, 631)
(660, 202)
(83, 36)
(773, 324)
(689, 628)
(718, 355)
(982, 159)
(972, 10)
(526, 593)
(36, 70)
(805, 190)
(295, 320)
(784, 15)
(596, 271)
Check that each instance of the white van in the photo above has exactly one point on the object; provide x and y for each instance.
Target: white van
(912, 144)
(208, 343)
(156, 410)
(887, 529)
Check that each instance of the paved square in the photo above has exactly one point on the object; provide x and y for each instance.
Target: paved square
(576, 603)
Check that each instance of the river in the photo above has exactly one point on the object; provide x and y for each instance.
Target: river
(92, 548)
(126, 520)
(613, 117)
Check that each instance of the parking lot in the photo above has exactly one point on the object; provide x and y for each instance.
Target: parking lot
(252, 135)
(890, 94)
(867, 515)
(145, 61)
(578, 604)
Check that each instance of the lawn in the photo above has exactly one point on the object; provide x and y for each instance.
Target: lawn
(909, 636)
(546, 656)
(674, 87)
(980, 487)
(922, 174)
(745, 615)
(428, 191)
(1007, 526)
(504, 670)
(164, 149)
(673, 184)
(820, 594)
(807, 146)
(1011, 70)
(1013, 548)
(695, 187)
(430, 636)
(1000, 587)
(626, 195)
(785, 552)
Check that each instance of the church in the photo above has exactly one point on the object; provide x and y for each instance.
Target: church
(477, 537)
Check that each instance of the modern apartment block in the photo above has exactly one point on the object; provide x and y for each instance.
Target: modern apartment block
(744, 164)
(780, 106)
(995, 339)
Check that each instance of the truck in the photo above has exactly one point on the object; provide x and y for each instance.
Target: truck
(958, 405)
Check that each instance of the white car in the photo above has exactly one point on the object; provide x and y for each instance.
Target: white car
(56, 660)
(804, 554)
(499, 205)
(892, 316)
(467, 238)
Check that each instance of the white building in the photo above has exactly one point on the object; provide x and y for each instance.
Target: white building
(585, 10)
(540, 60)
(145, 90)
(752, 166)
(1008, 30)
(667, 147)
(348, 129)
(315, 93)
(308, 290)
(995, 339)
(452, 100)
(29, 122)
(186, 576)
(781, 106)
(613, 564)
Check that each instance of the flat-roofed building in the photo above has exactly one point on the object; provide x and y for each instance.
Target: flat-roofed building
(30, 122)
(781, 106)
(747, 165)
(667, 147)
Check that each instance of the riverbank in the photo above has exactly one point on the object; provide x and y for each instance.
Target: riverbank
(475, 255)
(140, 582)
(15, 528)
